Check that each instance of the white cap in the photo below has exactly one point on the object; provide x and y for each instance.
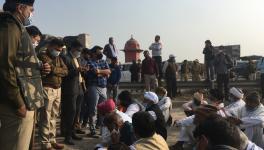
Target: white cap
(152, 97)
(236, 92)
(171, 56)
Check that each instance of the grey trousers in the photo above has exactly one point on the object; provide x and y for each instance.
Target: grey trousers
(15, 132)
(96, 95)
(112, 92)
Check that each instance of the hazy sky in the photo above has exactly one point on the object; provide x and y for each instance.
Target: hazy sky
(183, 25)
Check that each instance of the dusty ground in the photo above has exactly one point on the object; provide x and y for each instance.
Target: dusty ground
(89, 143)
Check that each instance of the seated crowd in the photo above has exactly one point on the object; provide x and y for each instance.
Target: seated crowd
(208, 125)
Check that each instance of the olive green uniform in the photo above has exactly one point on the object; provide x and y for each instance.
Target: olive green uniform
(20, 83)
(196, 71)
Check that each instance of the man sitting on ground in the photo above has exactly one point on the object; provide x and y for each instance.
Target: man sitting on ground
(251, 118)
(144, 128)
(121, 131)
(128, 105)
(103, 109)
(187, 125)
(190, 106)
(164, 103)
(150, 101)
(215, 133)
(236, 99)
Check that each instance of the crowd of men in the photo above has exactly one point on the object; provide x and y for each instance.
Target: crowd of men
(242, 121)
(80, 87)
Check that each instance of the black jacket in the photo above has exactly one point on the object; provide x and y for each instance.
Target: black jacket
(160, 121)
(208, 53)
(108, 51)
(127, 135)
(71, 84)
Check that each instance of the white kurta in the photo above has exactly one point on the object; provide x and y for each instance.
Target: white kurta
(131, 109)
(233, 107)
(165, 106)
(253, 123)
(252, 146)
(187, 126)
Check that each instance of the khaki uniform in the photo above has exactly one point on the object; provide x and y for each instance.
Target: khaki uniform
(196, 71)
(20, 83)
(184, 71)
(52, 85)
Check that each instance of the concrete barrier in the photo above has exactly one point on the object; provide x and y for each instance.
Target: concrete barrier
(245, 84)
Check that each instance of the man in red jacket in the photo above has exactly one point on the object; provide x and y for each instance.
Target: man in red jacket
(150, 72)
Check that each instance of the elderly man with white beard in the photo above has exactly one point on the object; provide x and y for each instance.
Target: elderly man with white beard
(187, 125)
(251, 119)
(236, 99)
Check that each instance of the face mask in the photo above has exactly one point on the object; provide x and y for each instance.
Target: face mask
(55, 53)
(35, 44)
(160, 97)
(28, 20)
(76, 54)
(99, 56)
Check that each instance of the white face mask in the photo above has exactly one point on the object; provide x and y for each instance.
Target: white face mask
(35, 44)
(55, 53)
(28, 21)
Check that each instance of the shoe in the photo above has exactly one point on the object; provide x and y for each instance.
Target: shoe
(76, 137)
(69, 142)
(92, 134)
(79, 131)
(85, 125)
(97, 126)
(57, 146)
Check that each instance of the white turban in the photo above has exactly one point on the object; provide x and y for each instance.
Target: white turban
(236, 92)
(152, 97)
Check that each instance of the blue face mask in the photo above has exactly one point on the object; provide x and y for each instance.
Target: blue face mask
(160, 97)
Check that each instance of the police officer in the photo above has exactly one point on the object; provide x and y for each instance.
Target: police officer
(196, 70)
(184, 70)
(20, 79)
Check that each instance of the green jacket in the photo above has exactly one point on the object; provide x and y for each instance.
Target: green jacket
(20, 78)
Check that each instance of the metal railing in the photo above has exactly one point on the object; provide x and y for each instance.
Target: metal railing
(195, 84)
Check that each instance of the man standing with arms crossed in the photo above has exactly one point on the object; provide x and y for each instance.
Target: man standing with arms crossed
(97, 82)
